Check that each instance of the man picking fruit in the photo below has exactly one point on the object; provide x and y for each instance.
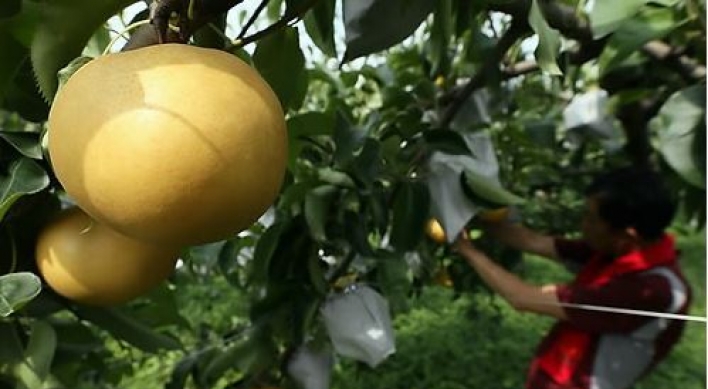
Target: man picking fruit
(617, 318)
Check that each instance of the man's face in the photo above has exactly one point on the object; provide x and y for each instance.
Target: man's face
(596, 231)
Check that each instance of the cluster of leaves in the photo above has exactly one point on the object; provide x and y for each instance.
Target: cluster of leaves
(355, 199)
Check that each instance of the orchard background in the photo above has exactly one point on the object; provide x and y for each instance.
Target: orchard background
(371, 90)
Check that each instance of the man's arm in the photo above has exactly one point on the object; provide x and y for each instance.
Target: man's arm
(521, 295)
(522, 238)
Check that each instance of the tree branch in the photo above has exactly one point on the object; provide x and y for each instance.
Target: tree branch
(205, 11)
(635, 117)
(586, 53)
(489, 67)
(284, 21)
(564, 18)
(520, 69)
(253, 18)
(689, 68)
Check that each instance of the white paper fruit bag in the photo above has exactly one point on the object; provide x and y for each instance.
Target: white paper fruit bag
(358, 322)
(310, 368)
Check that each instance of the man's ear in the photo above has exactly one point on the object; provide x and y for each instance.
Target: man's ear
(632, 233)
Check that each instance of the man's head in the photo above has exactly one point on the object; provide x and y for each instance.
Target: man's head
(626, 206)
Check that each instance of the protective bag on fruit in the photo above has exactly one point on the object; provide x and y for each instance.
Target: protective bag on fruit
(358, 322)
(311, 368)
(449, 204)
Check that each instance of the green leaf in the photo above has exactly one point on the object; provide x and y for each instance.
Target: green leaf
(335, 177)
(319, 24)
(310, 124)
(40, 349)
(250, 355)
(318, 209)
(542, 132)
(273, 9)
(22, 95)
(446, 141)
(98, 43)
(648, 24)
(280, 61)
(124, 326)
(607, 16)
(374, 25)
(159, 308)
(356, 233)
(228, 262)
(303, 126)
(440, 36)
(16, 290)
(293, 195)
(76, 338)
(367, 166)
(24, 177)
(9, 8)
(64, 28)
(212, 35)
(26, 377)
(316, 271)
(680, 127)
(14, 53)
(348, 138)
(548, 41)
(190, 364)
(11, 350)
(265, 248)
(478, 45)
(393, 278)
(27, 143)
(378, 205)
(410, 212)
(486, 190)
(23, 24)
(206, 254)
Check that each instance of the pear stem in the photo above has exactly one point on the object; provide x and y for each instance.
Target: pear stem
(127, 29)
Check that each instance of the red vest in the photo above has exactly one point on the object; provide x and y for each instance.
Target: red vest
(562, 358)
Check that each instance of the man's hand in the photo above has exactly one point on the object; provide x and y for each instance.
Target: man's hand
(463, 245)
(512, 233)
(521, 295)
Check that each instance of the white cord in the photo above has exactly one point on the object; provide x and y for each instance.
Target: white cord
(631, 312)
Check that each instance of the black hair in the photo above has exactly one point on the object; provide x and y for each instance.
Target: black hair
(634, 197)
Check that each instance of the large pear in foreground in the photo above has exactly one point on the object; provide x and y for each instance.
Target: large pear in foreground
(89, 263)
(169, 143)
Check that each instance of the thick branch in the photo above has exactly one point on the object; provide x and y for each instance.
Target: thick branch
(564, 18)
(635, 119)
(520, 69)
(576, 57)
(511, 36)
(689, 68)
(203, 12)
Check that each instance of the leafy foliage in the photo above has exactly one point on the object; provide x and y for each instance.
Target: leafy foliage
(392, 83)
